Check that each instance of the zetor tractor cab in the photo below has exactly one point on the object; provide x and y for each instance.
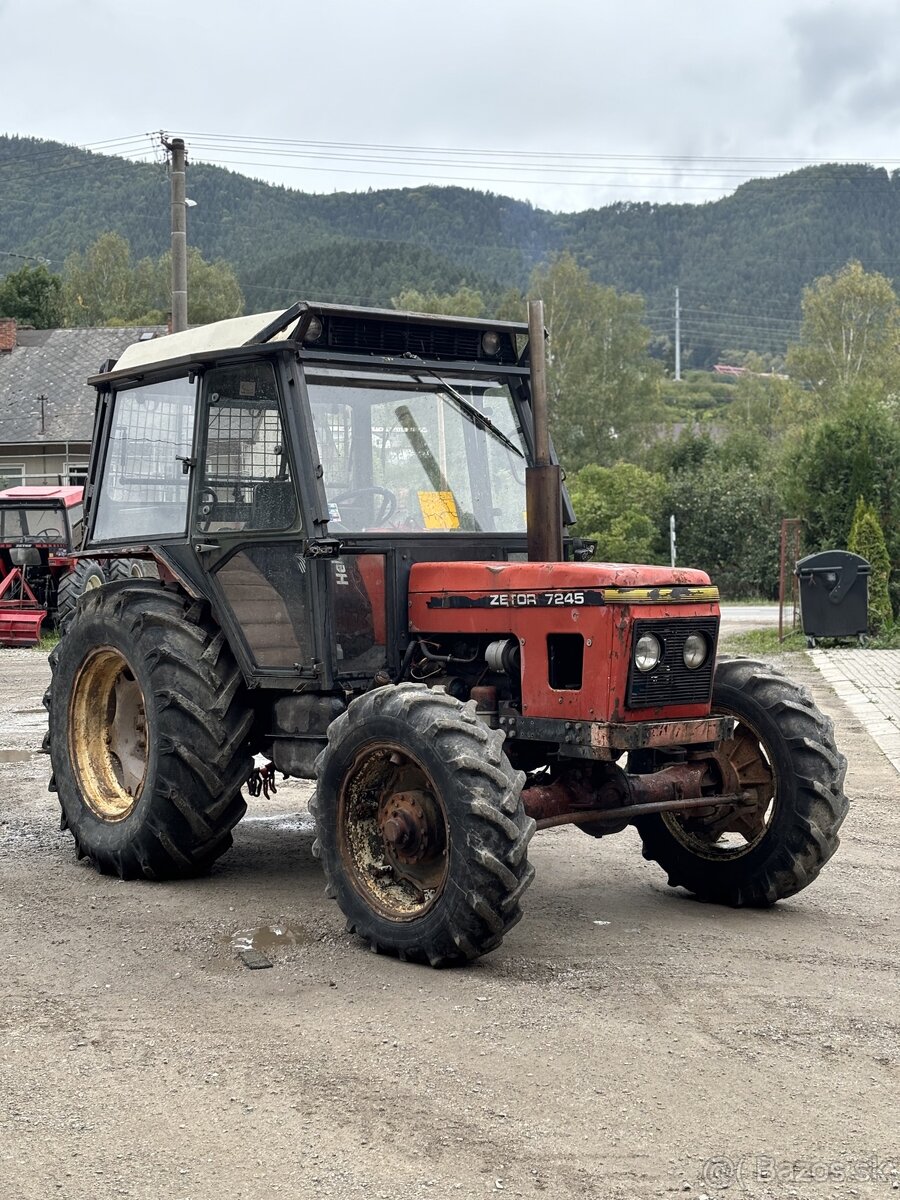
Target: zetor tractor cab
(39, 526)
(336, 500)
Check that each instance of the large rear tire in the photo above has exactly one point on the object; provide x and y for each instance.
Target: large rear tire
(149, 733)
(783, 756)
(85, 576)
(420, 826)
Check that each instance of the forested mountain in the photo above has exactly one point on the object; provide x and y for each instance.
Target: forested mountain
(741, 262)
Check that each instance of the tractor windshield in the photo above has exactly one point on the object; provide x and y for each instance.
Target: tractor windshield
(21, 523)
(409, 454)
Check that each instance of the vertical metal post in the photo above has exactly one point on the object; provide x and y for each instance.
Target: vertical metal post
(539, 383)
(672, 538)
(781, 565)
(543, 481)
(677, 335)
(179, 237)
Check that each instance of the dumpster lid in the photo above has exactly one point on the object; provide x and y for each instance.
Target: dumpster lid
(833, 560)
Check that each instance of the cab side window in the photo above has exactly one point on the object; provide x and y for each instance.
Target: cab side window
(143, 486)
(246, 481)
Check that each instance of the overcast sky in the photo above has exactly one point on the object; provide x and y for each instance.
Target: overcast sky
(569, 105)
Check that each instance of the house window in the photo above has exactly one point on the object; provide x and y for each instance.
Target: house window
(77, 474)
(11, 474)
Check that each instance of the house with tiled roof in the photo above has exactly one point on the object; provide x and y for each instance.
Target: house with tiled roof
(46, 407)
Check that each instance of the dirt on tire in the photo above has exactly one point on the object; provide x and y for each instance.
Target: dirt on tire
(487, 832)
(809, 804)
(197, 729)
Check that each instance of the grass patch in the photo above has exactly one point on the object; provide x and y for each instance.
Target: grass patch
(765, 641)
(761, 641)
(48, 641)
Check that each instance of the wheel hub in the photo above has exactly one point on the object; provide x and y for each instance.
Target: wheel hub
(745, 769)
(405, 826)
(395, 836)
(108, 734)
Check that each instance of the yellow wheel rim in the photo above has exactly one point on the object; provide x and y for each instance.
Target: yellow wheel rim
(108, 734)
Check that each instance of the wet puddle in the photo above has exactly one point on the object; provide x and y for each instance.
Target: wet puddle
(266, 938)
(289, 822)
(16, 756)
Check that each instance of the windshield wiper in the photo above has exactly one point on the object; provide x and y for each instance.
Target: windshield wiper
(479, 419)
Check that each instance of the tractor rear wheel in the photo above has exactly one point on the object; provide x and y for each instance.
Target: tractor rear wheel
(149, 733)
(85, 576)
(420, 826)
(782, 756)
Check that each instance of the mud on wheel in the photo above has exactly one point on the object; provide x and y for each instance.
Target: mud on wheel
(420, 826)
(783, 759)
(149, 733)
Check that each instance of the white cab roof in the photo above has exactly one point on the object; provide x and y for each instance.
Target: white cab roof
(203, 339)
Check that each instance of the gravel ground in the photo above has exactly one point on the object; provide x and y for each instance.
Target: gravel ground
(625, 1042)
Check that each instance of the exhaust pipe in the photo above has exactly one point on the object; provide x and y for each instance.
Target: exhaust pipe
(543, 481)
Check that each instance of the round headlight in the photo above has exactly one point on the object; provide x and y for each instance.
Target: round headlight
(647, 652)
(490, 342)
(313, 330)
(695, 651)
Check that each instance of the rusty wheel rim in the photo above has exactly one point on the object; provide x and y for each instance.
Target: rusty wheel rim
(746, 766)
(108, 734)
(393, 835)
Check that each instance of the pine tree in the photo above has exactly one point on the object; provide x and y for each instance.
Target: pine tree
(867, 538)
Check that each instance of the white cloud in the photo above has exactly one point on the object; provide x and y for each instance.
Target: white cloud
(659, 82)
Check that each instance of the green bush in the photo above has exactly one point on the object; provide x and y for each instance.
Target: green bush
(727, 523)
(867, 538)
(622, 509)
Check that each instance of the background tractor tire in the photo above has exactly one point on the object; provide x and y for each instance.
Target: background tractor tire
(86, 575)
(420, 826)
(120, 569)
(149, 733)
(780, 734)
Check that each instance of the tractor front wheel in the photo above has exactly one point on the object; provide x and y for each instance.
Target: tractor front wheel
(149, 733)
(783, 759)
(119, 569)
(85, 576)
(420, 826)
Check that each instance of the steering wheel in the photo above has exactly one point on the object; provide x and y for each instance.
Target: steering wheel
(385, 509)
(50, 531)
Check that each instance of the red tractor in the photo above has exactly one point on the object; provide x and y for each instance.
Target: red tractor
(39, 577)
(336, 499)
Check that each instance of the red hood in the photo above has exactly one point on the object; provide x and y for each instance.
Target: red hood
(525, 576)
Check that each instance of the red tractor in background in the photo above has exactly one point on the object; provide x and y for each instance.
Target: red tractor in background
(39, 577)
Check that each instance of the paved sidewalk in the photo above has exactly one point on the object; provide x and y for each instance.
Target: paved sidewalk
(868, 681)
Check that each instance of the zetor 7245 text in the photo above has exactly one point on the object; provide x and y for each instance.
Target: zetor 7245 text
(365, 577)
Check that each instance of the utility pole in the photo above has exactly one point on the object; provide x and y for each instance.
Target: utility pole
(179, 235)
(677, 336)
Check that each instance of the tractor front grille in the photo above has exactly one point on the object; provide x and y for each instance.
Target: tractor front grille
(670, 681)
